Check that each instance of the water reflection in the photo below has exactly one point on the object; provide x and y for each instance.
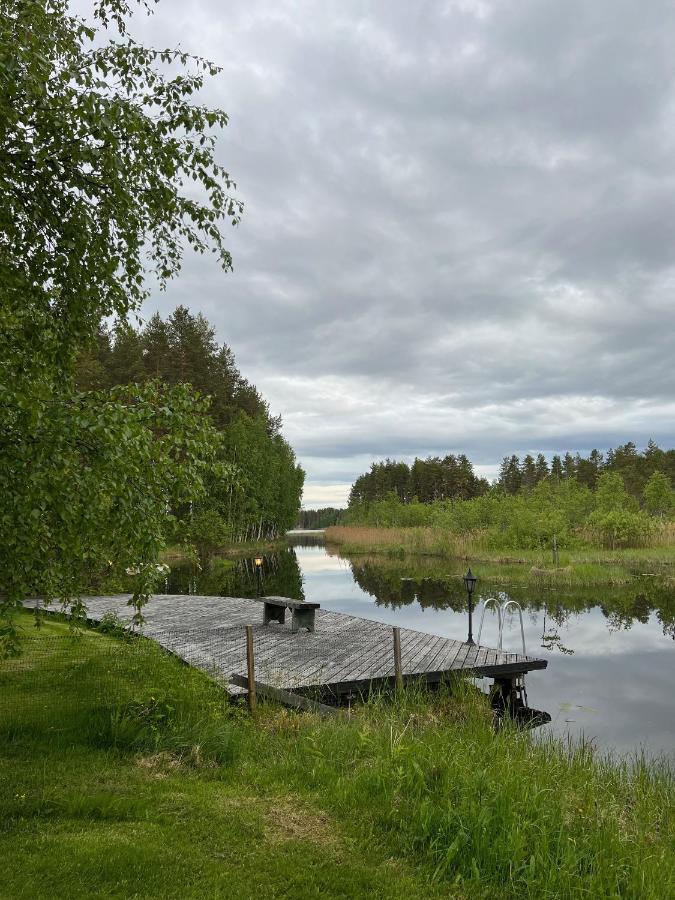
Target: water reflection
(611, 670)
(279, 574)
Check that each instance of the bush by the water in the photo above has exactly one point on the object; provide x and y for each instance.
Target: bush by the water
(567, 511)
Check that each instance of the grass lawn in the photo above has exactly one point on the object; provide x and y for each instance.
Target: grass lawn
(125, 774)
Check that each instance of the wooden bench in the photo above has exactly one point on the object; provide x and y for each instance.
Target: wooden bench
(275, 611)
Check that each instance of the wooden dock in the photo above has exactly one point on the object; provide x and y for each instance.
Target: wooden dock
(345, 653)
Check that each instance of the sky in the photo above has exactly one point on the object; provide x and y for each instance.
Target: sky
(459, 225)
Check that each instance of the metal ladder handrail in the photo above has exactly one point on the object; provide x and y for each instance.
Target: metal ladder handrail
(499, 615)
(503, 616)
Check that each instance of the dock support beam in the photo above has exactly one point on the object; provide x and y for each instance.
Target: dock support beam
(398, 668)
(504, 691)
(250, 669)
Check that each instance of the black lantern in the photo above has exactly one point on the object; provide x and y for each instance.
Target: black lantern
(470, 583)
(258, 568)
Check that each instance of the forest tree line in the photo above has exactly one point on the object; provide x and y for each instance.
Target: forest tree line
(426, 480)
(255, 486)
(620, 499)
(320, 518)
(453, 478)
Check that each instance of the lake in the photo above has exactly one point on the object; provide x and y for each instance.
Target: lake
(610, 650)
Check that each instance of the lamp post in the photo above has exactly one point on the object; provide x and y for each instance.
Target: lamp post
(258, 568)
(470, 583)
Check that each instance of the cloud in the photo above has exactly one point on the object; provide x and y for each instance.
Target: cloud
(460, 222)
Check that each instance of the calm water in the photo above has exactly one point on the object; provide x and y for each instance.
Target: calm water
(610, 651)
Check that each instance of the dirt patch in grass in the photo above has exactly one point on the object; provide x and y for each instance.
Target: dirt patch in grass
(288, 819)
(159, 765)
(164, 763)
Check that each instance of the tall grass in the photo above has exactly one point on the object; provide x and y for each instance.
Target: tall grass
(495, 814)
(420, 797)
(421, 540)
(580, 565)
(126, 694)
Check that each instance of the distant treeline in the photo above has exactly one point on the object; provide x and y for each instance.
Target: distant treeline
(426, 480)
(452, 477)
(624, 498)
(635, 467)
(254, 490)
(320, 518)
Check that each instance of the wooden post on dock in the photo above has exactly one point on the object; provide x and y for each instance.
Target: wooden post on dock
(250, 668)
(398, 668)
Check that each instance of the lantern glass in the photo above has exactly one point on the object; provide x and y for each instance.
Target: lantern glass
(470, 582)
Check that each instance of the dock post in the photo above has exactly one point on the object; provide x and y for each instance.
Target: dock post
(250, 669)
(398, 668)
(504, 692)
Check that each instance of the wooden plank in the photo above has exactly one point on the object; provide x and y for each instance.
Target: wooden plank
(378, 662)
(434, 646)
(373, 647)
(295, 701)
(314, 656)
(445, 655)
(418, 649)
(458, 662)
(482, 657)
(320, 668)
(471, 657)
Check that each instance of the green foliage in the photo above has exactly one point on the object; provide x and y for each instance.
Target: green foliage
(528, 506)
(207, 531)
(658, 495)
(567, 511)
(254, 491)
(619, 527)
(85, 481)
(616, 520)
(452, 477)
(611, 494)
(498, 815)
(97, 145)
(508, 521)
(114, 690)
(426, 480)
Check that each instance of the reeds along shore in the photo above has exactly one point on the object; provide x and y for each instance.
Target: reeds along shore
(475, 546)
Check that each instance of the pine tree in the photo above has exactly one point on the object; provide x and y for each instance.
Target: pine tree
(528, 472)
(569, 467)
(541, 467)
(556, 469)
(510, 477)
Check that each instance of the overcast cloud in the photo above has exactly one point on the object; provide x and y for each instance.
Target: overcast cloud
(459, 232)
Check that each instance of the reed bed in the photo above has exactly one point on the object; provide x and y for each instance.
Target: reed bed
(422, 540)
(582, 565)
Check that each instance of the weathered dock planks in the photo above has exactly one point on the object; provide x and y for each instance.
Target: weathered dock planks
(343, 653)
